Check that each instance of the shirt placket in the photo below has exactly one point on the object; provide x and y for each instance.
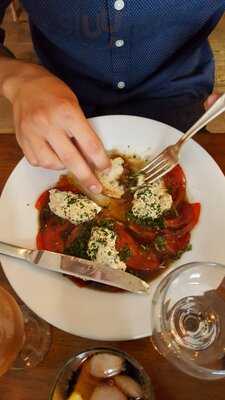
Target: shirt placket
(118, 11)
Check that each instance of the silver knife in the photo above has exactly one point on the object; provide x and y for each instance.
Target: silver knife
(78, 267)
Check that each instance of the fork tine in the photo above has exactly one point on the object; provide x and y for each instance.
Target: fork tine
(152, 162)
(160, 173)
(156, 167)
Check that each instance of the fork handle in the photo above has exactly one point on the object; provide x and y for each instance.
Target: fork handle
(217, 108)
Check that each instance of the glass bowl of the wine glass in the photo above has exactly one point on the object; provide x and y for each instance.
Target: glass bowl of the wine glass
(188, 319)
(24, 338)
(67, 376)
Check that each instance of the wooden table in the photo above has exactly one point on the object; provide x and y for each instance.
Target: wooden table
(169, 383)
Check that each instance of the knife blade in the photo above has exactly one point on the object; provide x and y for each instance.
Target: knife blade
(77, 267)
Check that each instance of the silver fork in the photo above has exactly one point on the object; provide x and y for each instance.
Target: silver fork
(169, 157)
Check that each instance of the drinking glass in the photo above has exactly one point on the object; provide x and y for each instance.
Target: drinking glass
(188, 319)
(24, 338)
(66, 377)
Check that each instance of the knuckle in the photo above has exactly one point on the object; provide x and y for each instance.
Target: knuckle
(64, 107)
(33, 162)
(48, 164)
(39, 116)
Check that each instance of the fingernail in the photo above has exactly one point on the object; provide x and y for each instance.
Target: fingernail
(95, 189)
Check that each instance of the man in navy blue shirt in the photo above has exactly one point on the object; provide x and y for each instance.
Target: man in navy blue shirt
(143, 57)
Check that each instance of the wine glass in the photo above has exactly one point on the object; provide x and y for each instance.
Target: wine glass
(24, 338)
(188, 319)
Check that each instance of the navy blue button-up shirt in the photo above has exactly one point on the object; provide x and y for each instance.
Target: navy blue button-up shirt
(113, 51)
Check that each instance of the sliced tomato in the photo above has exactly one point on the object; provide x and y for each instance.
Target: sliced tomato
(51, 237)
(39, 241)
(195, 214)
(144, 233)
(137, 260)
(42, 200)
(172, 244)
(187, 213)
(72, 236)
(64, 184)
(144, 262)
(175, 182)
(124, 239)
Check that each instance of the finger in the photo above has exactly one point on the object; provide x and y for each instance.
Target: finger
(73, 161)
(28, 152)
(211, 100)
(44, 154)
(87, 140)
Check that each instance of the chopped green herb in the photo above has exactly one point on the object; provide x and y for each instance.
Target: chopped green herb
(79, 246)
(145, 247)
(106, 223)
(181, 252)
(159, 243)
(157, 223)
(125, 253)
(189, 247)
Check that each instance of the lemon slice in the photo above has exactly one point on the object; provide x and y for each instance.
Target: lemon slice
(75, 396)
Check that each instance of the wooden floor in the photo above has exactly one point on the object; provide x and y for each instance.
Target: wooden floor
(18, 40)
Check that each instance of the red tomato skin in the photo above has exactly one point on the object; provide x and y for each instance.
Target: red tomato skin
(50, 237)
(42, 200)
(188, 213)
(174, 244)
(196, 210)
(144, 233)
(65, 185)
(137, 261)
(124, 239)
(175, 181)
(148, 262)
(72, 236)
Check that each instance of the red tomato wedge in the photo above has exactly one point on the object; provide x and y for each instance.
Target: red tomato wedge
(137, 261)
(144, 233)
(144, 262)
(172, 244)
(125, 240)
(193, 218)
(187, 213)
(51, 237)
(175, 182)
(42, 200)
(72, 236)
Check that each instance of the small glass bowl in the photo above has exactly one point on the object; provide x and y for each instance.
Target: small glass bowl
(60, 387)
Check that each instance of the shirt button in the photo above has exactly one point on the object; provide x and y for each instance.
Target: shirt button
(121, 85)
(119, 43)
(119, 5)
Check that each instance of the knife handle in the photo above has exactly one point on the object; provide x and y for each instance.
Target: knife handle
(13, 251)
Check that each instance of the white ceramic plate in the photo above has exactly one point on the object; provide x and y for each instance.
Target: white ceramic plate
(90, 313)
